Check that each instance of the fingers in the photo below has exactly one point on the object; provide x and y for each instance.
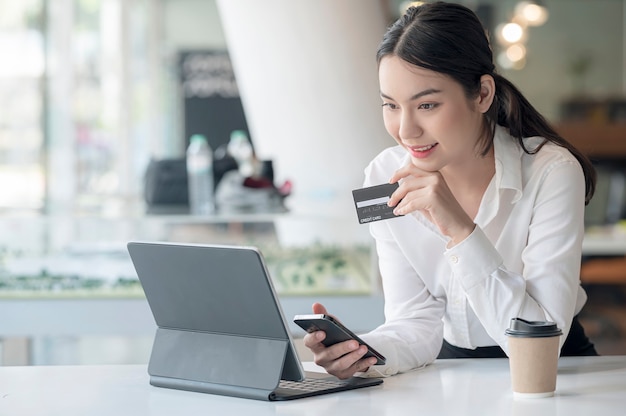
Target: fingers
(419, 190)
(342, 359)
(349, 363)
(407, 174)
(403, 172)
(313, 341)
(318, 308)
(397, 195)
(428, 193)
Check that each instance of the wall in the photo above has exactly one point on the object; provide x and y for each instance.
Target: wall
(575, 28)
(192, 24)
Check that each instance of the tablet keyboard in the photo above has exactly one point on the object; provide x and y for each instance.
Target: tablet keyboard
(319, 384)
(311, 384)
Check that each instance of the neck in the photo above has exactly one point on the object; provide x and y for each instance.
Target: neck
(469, 181)
(472, 172)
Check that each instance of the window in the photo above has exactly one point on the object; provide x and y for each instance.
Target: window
(102, 99)
(21, 100)
(78, 91)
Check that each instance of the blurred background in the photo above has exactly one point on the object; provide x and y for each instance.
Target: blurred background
(98, 100)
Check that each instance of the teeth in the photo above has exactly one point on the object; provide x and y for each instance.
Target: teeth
(425, 148)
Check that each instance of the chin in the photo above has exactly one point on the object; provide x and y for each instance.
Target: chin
(424, 165)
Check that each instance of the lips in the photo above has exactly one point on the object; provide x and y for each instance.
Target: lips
(423, 148)
(422, 152)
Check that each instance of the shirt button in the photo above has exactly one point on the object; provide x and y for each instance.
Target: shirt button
(454, 259)
(390, 371)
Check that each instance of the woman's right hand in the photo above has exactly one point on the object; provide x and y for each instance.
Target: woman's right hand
(428, 193)
(343, 359)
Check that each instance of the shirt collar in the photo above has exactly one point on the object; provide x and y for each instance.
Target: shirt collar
(508, 159)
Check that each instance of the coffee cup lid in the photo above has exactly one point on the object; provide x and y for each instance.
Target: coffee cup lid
(534, 329)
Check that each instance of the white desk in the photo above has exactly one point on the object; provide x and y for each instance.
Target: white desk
(585, 386)
(605, 241)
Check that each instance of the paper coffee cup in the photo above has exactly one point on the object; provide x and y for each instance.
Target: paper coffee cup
(533, 357)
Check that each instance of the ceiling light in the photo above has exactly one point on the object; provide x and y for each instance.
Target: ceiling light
(533, 12)
(506, 63)
(516, 52)
(404, 6)
(510, 33)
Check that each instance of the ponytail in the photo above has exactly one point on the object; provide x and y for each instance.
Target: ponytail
(513, 111)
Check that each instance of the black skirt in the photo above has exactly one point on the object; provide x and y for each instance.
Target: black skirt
(576, 344)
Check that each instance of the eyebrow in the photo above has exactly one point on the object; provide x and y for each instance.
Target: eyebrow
(415, 96)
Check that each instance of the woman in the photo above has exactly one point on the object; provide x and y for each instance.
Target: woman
(490, 198)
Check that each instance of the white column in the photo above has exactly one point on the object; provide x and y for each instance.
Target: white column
(60, 146)
(60, 135)
(308, 79)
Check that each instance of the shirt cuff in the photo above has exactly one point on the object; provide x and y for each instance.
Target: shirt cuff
(386, 349)
(474, 259)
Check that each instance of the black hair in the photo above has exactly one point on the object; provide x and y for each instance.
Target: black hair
(449, 38)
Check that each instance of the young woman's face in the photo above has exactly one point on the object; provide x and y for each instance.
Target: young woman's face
(429, 115)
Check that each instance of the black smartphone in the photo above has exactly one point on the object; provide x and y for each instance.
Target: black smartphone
(335, 332)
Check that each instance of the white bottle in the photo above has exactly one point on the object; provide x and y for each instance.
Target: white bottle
(240, 149)
(200, 176)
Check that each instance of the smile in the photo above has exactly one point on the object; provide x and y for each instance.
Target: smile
(424, 148)
(422, 151)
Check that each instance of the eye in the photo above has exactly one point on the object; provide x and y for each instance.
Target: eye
(390, 106)
(428, 106)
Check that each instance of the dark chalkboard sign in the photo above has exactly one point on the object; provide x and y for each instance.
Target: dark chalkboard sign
(211, 102)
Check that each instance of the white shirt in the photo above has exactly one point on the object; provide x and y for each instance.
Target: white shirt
(522, 260)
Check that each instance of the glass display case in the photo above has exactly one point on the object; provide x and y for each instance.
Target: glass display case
(86, 256)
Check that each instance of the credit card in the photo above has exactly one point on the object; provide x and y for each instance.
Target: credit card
(371, 202)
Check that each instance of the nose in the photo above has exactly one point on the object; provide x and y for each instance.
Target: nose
(409, 126)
